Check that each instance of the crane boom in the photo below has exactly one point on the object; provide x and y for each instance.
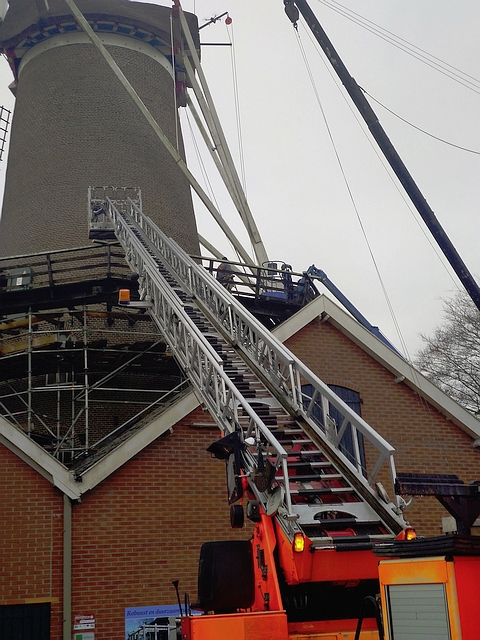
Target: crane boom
(386, 147)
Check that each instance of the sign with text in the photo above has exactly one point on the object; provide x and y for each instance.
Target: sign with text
(83, 622)
(84, 635)
(140, 620)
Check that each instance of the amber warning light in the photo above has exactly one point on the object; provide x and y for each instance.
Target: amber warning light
(124, 296)
(407, 534)
(298, 542)
(124, 300)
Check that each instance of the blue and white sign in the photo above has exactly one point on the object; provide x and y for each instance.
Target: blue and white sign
(141, 620)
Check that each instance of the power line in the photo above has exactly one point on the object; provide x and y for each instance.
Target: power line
(451, 144)
(353, 201)
(450, 71)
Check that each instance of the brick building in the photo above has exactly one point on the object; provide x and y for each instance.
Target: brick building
(115, 535)
(106, 489)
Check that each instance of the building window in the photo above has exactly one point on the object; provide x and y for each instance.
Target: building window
(351, 443)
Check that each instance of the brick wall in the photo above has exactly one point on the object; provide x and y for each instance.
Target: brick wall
(425, 441)
(74, 126)
(143, 527)
(132, 535)
(31, 538)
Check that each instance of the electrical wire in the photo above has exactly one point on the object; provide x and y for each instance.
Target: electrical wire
(209, 188)
(203, 171)
(410, 124)
(416, 376)
(455, 74)
(347, 185)
(357, 213)
(238, 121)
(383, 162)
(447, 64)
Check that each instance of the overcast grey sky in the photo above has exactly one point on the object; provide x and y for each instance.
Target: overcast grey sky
(294, 183)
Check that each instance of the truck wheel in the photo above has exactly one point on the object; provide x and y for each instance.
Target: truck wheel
(237, 517)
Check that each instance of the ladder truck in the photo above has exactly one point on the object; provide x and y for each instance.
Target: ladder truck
(312, 486)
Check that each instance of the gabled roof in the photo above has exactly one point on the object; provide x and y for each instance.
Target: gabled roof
(322, 307)
(403, 371)
(74, 486)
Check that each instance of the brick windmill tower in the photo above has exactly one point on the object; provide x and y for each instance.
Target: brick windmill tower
(74, 127)
(94, 411)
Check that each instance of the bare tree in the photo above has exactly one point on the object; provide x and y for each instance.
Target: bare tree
(451, 357)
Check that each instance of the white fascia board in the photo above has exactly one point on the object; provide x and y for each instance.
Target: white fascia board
(295, 323)
(36, 457)
(144, 437)
(47, 466)
(401, 368)
(378, 350)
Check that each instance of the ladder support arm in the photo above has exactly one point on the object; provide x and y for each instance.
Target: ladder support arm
(159, 132)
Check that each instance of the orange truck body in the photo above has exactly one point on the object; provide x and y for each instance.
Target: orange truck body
(267, 619)
(457, 582)
(452, 579)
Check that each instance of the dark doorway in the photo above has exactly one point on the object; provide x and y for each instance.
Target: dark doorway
(25, 621)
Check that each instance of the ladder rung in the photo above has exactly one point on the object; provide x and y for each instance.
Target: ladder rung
(308, 452)
(312, 464)
(310, 492)
(313, 477)
(288, 432)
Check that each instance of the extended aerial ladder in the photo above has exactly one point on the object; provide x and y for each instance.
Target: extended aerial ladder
(311, 484)
(279, 438)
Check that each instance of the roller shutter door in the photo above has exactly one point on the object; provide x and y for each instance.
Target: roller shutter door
(418, 612)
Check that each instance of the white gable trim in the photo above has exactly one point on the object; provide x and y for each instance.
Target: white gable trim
(47, 466)
(401, 370)
(129, 448)
(37, 458)
(295, 323)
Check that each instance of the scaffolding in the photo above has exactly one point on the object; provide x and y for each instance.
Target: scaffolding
(76, 371)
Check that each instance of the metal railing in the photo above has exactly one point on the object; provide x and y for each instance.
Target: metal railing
(196, 356)
(283, 372)
(65, 266)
